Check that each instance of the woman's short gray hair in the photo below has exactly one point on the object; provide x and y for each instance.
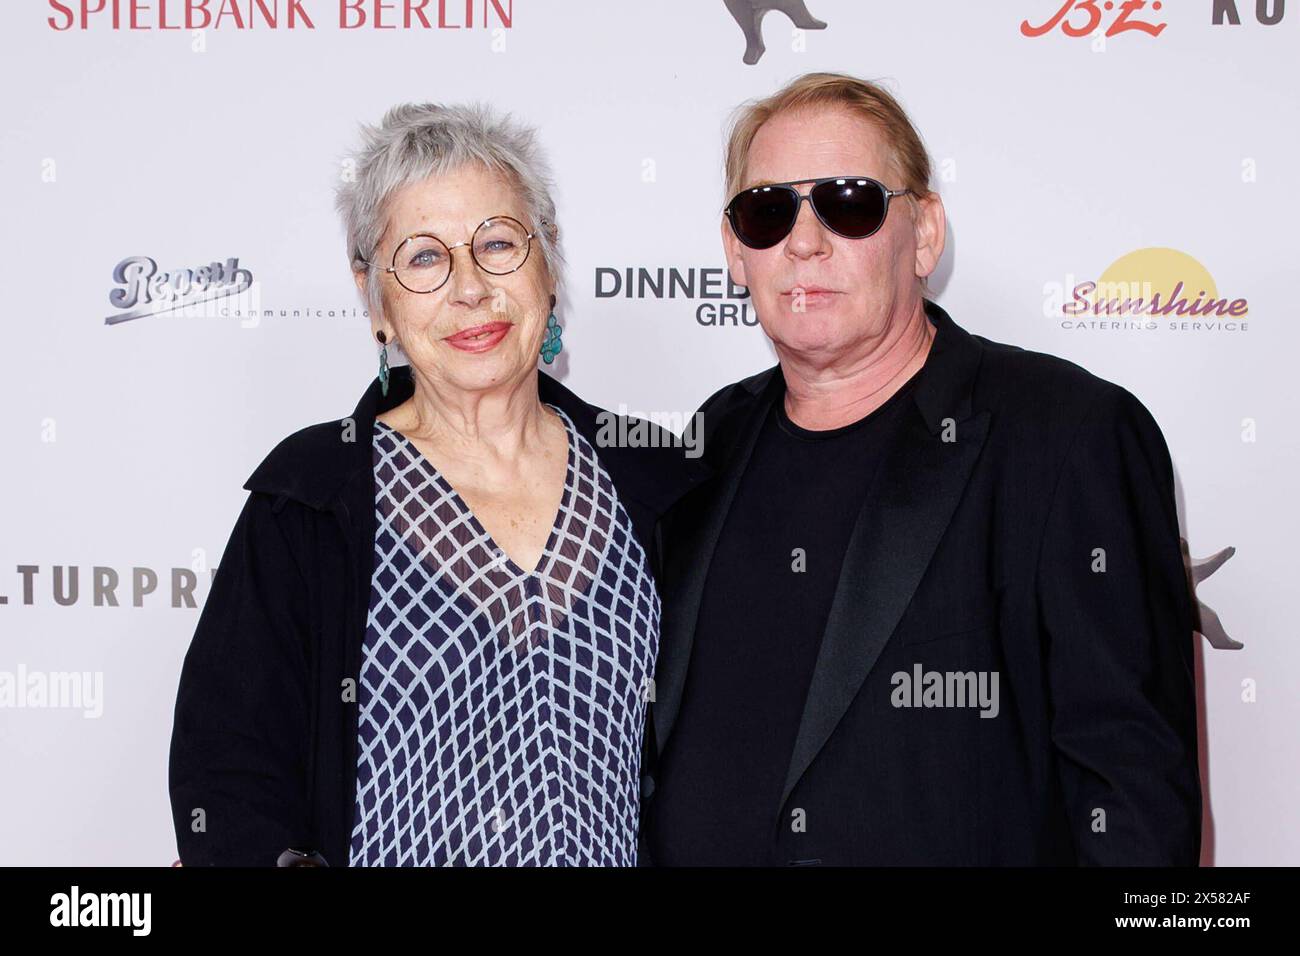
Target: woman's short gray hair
(417, 140)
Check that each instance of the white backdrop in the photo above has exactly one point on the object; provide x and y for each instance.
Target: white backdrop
(126, 442)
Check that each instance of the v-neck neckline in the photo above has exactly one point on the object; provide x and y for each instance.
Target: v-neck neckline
(462, 506)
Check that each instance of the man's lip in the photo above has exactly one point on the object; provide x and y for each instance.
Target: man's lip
(486, 327)
(807, 290)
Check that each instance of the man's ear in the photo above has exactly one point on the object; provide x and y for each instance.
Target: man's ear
(931, 225)
(731, 247)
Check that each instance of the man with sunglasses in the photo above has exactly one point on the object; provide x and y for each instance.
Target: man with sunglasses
(932, 608)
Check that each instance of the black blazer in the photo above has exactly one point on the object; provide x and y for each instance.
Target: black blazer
(977, 553)
(264, 737)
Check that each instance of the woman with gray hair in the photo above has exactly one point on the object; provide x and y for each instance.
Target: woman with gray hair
(431, 637)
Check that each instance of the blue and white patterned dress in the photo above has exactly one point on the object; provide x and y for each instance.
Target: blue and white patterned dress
(501, 711)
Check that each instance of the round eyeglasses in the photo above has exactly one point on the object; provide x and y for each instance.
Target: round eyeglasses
(422, 262)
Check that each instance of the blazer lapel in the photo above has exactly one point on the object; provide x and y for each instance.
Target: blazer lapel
(685, 577)
(896, 533)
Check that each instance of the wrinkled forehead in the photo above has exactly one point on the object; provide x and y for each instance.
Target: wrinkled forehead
(451, 205)
(815, 143)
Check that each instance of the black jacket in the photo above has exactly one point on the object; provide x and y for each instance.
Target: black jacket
(978, 554)
(264, 738)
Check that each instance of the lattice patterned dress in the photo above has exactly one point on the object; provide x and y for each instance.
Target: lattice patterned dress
(501, 711)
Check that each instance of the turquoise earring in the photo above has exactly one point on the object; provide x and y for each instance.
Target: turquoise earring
(551, 344)
(383, 361)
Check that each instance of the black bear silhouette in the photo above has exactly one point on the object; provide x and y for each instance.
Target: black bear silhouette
(749, 14)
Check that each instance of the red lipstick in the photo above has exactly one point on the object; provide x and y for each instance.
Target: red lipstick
(479, 338)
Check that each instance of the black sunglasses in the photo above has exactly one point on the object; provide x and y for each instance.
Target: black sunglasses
(850, 206)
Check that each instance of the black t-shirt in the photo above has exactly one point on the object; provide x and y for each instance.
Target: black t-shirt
(766, 602)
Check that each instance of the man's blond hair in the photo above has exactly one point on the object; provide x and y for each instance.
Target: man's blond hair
(870, 101)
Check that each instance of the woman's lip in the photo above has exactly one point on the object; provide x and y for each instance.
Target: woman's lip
(479, 338)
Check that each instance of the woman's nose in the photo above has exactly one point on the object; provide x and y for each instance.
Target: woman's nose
(466, 284)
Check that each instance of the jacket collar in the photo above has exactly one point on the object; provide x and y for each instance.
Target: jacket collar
(316, 464)
(944, 390)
